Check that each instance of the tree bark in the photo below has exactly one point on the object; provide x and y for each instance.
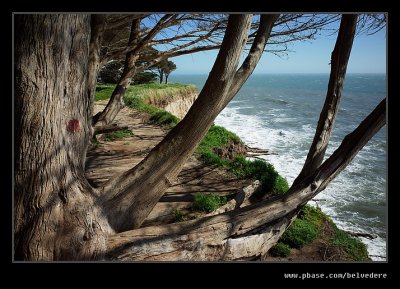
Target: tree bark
(116, 103)
(246, 232)
(98, 25)
(56, 216)
(339, 60)
(138, 190)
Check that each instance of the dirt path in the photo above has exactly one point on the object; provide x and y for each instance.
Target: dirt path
(114, 157)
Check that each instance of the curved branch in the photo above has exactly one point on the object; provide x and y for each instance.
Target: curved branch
(137, 191)
(339, 60)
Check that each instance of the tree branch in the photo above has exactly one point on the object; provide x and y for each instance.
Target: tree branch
(137, 191)
(339, 60)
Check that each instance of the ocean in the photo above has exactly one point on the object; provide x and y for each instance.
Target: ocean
(279, 112)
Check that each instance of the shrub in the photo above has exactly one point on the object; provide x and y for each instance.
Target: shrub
(111, 72)
(144, 77)
(280, 250)
(208, 202)
(164, 117)
(356, 249)
(119, 134)
(178, 216)
(299, 233)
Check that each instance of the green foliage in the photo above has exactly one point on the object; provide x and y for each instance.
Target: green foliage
(356, 249)
(144, 77)
(140, 97)
(219, 137)
(164, 117)
(104, 91)
(280, 250)
(310, 224)
(300, 233)
(315, 216)
(208, 202)
(281, 185)
(119, 134)
(216, 137)
(94, 142)
(111, 72)
(178, 216)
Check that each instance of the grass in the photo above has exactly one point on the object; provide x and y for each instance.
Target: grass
(310, 225)
(119, 134)
(300, 233)
(208, 202)
(280, 250)
(104, 91)
(353, 247)
(178, 216)
(143, 96)
(218, 137)
(305, 228)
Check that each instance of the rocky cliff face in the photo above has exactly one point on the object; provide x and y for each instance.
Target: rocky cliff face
(177, 104)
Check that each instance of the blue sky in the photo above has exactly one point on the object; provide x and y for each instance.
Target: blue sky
(368, 56)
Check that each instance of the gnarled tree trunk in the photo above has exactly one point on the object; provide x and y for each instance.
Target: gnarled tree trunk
(56, 214)
(115, 104)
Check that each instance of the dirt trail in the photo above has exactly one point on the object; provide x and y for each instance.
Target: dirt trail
(114, 157)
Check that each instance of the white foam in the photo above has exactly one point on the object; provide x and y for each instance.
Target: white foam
(291, 146)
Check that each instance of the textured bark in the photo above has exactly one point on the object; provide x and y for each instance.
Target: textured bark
(137, 191)
(115, 104)
(339, 60)
(98, 25)
(56, 216)
(246, 232)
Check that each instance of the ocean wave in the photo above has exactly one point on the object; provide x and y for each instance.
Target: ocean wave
(291, 143)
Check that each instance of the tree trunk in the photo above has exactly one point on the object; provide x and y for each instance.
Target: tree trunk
(116, 102)
(166, 78)
(138, 190)
(161, 73)
(339, 60)
(56, 213)
(98, 24)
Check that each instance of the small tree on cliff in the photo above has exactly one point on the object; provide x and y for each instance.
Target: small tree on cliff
(168, 68)
(60, 216)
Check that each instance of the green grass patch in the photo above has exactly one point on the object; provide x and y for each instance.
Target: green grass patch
(300, 233)
(178, 216)
(353, 247)
(164, 117)
(219, 137)
(311, 224)
(119, 134)
(208, 202)
(143, 97)
(280, 250)
(104, 91)
(306, 227)
(216, 137)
